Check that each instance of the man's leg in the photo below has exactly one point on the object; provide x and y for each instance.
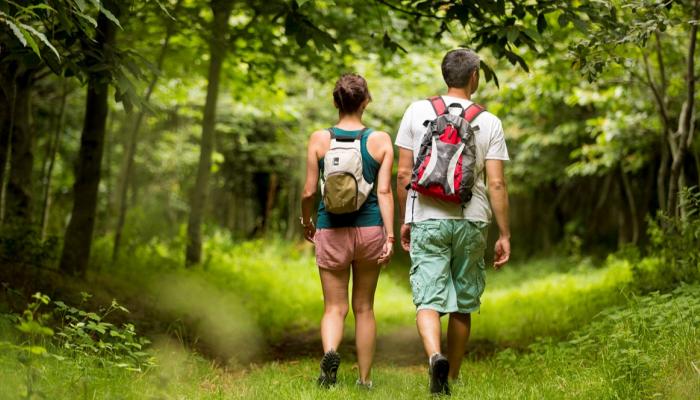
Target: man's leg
(431, 285)
(457, 336)
(428, 322)
(469, 243)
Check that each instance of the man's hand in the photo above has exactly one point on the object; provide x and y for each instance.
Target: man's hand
(406, 237)
(501, 252)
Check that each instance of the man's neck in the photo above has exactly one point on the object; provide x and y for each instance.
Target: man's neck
(459, 93)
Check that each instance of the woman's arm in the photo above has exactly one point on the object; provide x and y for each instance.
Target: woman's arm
(308, 196)
(385, 195)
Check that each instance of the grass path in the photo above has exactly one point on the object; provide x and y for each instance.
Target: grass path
(642, 350)
(552, 329)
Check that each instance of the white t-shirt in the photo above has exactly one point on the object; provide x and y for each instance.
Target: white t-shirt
(490, 145)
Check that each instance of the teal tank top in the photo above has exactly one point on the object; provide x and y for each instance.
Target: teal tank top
(368, 214)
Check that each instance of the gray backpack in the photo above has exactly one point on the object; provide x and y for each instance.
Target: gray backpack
(343, 186)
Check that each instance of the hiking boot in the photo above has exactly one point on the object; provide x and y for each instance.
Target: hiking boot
(363, 385)
(329, 368)
(439, 368)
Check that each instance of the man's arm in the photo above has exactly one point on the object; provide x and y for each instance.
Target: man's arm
(403, 178)
(498, 195)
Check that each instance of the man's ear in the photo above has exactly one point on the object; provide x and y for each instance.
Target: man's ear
(475, 80)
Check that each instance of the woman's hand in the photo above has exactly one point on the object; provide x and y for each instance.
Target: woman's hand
(387, 252)
(309, 230)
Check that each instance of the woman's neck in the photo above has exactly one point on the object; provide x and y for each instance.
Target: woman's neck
(350, 122)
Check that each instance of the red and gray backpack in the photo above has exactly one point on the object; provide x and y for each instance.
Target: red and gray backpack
(446, 160)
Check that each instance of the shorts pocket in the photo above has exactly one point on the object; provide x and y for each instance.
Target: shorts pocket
(418, 291)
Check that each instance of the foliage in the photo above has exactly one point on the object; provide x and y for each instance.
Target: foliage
(551, 305)
(82, 332)
(22, 244)
(675, 254)
(644, 349)
(77, 332)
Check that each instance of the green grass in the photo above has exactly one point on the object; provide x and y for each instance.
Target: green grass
(271, 289)
(564, 330)
(550, 304)
(641, 350)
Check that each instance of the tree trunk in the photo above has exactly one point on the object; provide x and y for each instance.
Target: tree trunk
(217, 47)
(270, 201)
(7, 105)
(18, 200)
(51, 160)
(78, 239)
(128, 165)
(629, 194)
(663, 173)
(697, 165)
(685, 120)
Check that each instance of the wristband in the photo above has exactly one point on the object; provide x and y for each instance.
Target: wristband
(390, 238)
(309, 224)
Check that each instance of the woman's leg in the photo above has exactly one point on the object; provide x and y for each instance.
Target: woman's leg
(364, 283)
(335, 300)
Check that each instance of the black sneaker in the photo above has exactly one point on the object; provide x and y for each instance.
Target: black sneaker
(329, 368)
(439, 369)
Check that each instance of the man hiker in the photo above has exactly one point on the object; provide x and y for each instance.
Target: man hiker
(446, 145)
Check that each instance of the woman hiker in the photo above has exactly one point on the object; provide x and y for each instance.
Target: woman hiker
(354, 226)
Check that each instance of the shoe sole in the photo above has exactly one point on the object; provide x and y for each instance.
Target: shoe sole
(329, 368)
(440, 370)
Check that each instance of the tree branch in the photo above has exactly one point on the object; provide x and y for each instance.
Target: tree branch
(405, 11)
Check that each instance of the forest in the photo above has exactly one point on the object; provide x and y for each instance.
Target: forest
(152, 161)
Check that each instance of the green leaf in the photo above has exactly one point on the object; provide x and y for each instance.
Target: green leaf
(563, 20)
(80, 4)
(38, 350)
(88, 18)
(512, 33)
(541, 23)
(488, 73)
(15, 29)
(50, 46)
(111, 17)
(581, 25)
(30, 41)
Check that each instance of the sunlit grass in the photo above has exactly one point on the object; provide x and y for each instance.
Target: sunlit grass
(641, 350)
(551, 305)
(274, 288)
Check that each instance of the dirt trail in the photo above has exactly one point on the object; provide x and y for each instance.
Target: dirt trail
(401, 347)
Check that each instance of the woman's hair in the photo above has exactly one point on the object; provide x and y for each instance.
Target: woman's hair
(349, 93)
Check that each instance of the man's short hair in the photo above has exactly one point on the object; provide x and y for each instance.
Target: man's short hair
(458, 65)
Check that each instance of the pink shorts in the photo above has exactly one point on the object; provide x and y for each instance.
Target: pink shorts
(338, 248)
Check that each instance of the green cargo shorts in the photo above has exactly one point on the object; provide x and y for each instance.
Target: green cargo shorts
(447, 264)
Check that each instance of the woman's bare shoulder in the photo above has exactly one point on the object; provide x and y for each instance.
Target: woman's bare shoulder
(318, 137)
(380, 137)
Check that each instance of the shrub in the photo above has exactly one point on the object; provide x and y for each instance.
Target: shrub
(674, 248)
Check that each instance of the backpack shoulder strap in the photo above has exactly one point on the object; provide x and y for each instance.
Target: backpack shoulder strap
(473, 111)
(332, 132)
(438, 104)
